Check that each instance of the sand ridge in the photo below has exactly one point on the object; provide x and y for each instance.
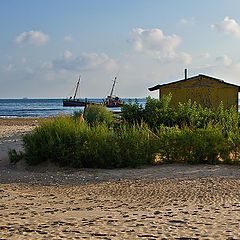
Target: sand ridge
(162, 209)
(176, 201)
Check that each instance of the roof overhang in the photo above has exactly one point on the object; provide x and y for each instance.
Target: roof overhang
(157, 87)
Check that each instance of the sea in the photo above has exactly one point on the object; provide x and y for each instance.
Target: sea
(27, 108)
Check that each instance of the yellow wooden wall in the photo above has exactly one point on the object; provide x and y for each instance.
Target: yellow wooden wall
(207, 92)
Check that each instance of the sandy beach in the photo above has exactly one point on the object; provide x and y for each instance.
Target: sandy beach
(177, 201)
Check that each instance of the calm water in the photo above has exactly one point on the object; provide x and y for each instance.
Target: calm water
(12, 108)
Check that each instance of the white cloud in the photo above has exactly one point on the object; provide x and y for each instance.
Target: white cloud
(205, 55)
(47, 66)
(228, 26)
(186, 22)
(67, 55)
(228, 70)
(224, 60)
(8, 68)
(23, 60)
(224, 67)
(86, 61)
(185, 58)
(32, 37)
(68, 39)
(154, 41)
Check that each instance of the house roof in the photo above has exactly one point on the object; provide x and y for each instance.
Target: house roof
(183, 80)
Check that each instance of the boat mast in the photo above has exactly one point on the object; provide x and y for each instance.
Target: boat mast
(114, 82)
(76, 88)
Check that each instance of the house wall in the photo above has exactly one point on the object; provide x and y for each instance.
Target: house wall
(207, 92)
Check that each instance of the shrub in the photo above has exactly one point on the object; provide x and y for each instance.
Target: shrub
(155, 113)
(193, 115)
(158, 112)
(193, 145)
(136, 146)
(15, 156)
(100, 148)
(132, 112)
(98, 114)
(53, 140)
(71, 143)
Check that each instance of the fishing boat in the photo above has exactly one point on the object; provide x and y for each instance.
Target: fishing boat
(112, 100)
(73, 101)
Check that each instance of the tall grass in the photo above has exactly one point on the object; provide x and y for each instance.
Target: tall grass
(190, 145)
(136, 145)
(190, 132)
(160, 112)
(70, 143)
(54, 140)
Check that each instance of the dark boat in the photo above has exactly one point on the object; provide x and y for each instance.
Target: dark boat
(73, 101)
(112, 100)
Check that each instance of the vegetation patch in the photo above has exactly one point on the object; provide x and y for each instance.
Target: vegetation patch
(144, 135)
(77, 144)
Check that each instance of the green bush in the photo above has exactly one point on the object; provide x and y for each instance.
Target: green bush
(136, 145)
(100, 148)
(15, 156)
(193, 145)
(71, 143)
(132, 112)
(98, 114)
(53, 140)
(158, 112)
(193, 115)
(155, 113)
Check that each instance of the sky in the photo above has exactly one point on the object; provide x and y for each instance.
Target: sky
(46, 45)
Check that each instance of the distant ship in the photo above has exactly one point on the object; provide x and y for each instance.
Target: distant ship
(112, 100)
(73, 101)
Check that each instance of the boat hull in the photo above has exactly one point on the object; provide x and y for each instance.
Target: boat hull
(112, 102)
(74, 103)
(113, 105)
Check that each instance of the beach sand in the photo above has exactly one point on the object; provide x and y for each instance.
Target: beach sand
(177, 201)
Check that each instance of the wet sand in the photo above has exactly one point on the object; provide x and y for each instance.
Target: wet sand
(176, 201)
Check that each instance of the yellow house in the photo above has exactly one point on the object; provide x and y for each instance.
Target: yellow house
(207, 91)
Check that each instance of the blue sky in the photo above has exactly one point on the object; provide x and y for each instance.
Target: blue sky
(45, 45)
